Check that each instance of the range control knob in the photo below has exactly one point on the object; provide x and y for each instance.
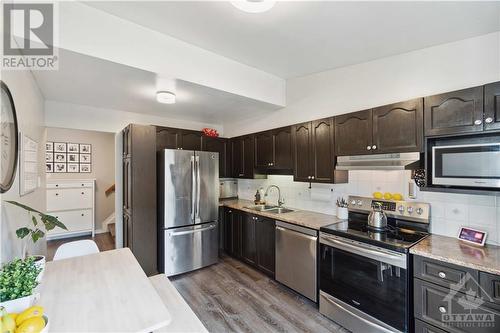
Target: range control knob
(353, 202)
(401, 209)
(360, 203)
(419, 211)
(409, 210)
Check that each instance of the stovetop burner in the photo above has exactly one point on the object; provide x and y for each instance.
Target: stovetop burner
(398, 235)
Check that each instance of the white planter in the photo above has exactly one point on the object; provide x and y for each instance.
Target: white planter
(19, 304)
(40, 263)
(342, 213)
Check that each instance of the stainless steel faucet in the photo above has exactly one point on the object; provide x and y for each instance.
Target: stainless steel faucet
(281, 201)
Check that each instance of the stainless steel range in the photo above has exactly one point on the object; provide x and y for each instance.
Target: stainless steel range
(364, 275)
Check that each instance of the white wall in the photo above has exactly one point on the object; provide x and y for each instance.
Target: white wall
(28, 101)
(67, 115)
(442, 68)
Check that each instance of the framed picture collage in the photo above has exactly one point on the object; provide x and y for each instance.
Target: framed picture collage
(67, 157)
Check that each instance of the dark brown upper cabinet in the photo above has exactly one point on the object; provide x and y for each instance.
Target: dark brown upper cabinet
(454, 112)
(398, 127)
(313, 151)
(264, 150)
(492, 106)
(168, 138)
(242, 152)
(190, 140)
(353, 133)
(176, 138)
(221, 146)
(273, 149)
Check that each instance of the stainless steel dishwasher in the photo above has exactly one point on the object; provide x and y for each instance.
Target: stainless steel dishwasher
(296, 249)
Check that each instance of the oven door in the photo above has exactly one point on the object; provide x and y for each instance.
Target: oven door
(476, 165)
(366, 278)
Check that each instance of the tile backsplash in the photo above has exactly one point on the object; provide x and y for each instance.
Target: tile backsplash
(448, 211)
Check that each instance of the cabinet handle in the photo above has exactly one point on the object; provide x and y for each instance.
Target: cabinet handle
(488, 120)
(57, 185)
(374, 147)
(312, 177)
(83, 192)
(57, 193)
(272, 164)
(241, 175)
(83, 214)
(230, 211)
(442, 309)
(308, 177)
(478, 122)
(442, 275)
(368, 148)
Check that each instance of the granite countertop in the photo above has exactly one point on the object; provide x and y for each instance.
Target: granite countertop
(453, 251)
(303, 218)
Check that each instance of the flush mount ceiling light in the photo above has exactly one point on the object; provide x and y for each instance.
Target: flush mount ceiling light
(165, 97)
(254, 6)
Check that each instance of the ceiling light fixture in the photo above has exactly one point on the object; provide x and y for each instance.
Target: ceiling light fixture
(165, 97)
(254, 6)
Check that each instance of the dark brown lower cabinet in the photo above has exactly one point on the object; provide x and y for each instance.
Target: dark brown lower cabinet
(250, 238)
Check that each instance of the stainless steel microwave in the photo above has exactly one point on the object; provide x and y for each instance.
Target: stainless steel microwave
(467, 165)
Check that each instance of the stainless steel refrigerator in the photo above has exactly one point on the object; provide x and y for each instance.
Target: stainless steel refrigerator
(188, 210)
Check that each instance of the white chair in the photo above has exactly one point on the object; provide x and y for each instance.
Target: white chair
(76, 249)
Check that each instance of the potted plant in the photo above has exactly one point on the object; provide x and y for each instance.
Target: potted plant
(34, 230)
(18, 278)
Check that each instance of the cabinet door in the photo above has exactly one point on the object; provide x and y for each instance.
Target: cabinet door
(265, 236)
(168, 138)
(353, 133)
(454, 112)
(236, 233)
(248, 156)
(492, 106)
(228, 231)
(264, 152)
(248, 248)
(302, 152)
(237, 157)
(217, 145)
(398, 127)
(282, 138)
(190, 140)
(322, 151)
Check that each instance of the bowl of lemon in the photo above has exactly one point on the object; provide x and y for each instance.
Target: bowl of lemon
(31, 320)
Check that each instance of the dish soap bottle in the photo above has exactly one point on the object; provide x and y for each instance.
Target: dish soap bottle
(257, 198)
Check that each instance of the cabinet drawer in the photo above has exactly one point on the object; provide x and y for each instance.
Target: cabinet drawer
(71, 198)
(74, 220)
(69, 185)
(423, 327)
(490, 287)
(447, 309)
(444, 274)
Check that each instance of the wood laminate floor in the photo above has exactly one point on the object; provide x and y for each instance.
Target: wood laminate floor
(233, 297)
(104, 242)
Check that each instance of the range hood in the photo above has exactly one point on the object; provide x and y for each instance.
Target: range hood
(395, 161)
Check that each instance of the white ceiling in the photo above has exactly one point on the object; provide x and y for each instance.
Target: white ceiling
(302, 37)
(99, 83)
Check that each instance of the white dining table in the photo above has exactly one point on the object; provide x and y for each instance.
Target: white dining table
(103, 292)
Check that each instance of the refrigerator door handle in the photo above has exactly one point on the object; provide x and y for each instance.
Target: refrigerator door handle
(193, 189)
(198, 189)
(193, 231)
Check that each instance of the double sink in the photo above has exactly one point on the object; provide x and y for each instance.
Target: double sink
(270, 209)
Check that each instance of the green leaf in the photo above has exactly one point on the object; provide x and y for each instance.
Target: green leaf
(22, 232)
(51, 222)
(33, 218)
(36, 235)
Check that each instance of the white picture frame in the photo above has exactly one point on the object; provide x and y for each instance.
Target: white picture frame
(28, 165)
(49, 156)
(49, 146)
(60, 147)
(85, 148)
(85, 168)
(49, 167)
(73, 168)
(60, 157)
(73, 158)
(73, 147)
(85, 158)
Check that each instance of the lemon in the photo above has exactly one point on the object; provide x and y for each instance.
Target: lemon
(397, 196)
(377, 195)
(8, 323)
(34, 311)
(31, 325)
(387, 196)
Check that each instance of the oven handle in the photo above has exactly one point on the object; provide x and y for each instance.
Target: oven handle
(385, 256)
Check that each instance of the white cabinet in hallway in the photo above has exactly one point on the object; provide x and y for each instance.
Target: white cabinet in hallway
(73, 203)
